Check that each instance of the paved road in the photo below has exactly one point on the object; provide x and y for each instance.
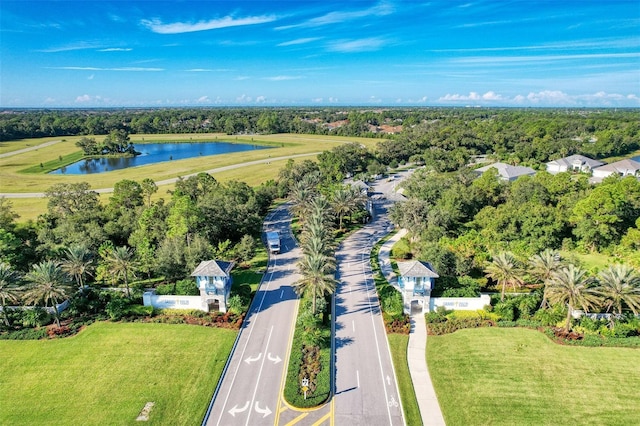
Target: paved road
(366, 390)
(249, 392)
(31, 148)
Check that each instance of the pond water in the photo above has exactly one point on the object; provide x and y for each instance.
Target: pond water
(154, 153)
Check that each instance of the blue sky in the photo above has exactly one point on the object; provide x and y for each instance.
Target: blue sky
(301, 53)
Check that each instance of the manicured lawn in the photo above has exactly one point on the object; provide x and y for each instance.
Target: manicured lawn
(398, 344)
(107, 373)
(519, 377)
(13, 178)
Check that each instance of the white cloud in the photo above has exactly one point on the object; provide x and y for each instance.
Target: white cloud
(203, 99)
(381, 9)
(81, 45)
(282, 78)
(84, 99)
(492, 96)
(116, 49)
(243, 99)
(49, 100)
(91, 77)
(261, 100)
(207, 70)
(317, 100)
(361, 45)
(551, 97)
(242, 77)
(299, 41)
(133, 69)
(157, 26)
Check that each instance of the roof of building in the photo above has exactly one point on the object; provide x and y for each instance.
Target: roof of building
(416, 268)
(508, 171)
(622, 166)
(573, 160)
(213, 268)
(359, 184)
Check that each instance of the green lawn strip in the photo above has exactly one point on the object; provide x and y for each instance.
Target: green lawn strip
(292, 389)
(518, 376)
(49, 166)
(107, 373)
(398, 344)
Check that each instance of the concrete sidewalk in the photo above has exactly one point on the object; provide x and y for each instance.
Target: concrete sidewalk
(416, 356)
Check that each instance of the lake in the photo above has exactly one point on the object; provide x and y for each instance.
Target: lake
(152, 153)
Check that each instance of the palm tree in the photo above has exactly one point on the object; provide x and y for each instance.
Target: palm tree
(572, 286)
(345, 201)
(620, 286)
(78, 263)
(317, 277)
(121, 264)
(49, 285)
(300, 197)
(542, 266)
(504, 269)
(9, 289)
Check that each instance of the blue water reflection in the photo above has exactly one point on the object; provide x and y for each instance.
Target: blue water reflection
(154, 153)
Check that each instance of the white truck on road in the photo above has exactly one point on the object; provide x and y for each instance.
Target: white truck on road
(273, 241)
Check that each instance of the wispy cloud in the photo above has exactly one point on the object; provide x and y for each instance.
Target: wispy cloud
(299, 41)
(540, 58)
(116, 49)
(283, 78)
(157, 26)
(361, 45)
(574, 45)
(207, 70)
(381, 9)
(80, 45)
(133, 69)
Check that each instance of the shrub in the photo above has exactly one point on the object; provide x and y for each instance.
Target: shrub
(551, 316)
(187, 287)
(401, 250)
(36, 317)
(25, 334)
(117, 308)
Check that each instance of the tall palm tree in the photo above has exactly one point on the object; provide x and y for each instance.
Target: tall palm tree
(122, 264)
(345, 201)
(620, 287)
(9, 288)
(77, 263)
(49, 285)
(505, 270)
(317, 277)
(301, 196)
(572, 286)
(542, 266)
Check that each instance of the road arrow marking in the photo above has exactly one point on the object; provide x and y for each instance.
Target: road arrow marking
(249, 360)
(264, 412)
(274, 360)
(235, 409)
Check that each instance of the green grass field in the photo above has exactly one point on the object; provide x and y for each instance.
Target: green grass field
(107, 373)
(14, 179)
(398, 344)
(517, 376)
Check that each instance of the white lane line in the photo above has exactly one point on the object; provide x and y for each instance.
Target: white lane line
(353, 325)
(358, 378)
(259, 374)
(281, 293)
(246, 343)
(375, 335)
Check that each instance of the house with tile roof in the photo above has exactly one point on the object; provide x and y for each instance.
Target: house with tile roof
(507, 171)
(626, 167)
(573, 163)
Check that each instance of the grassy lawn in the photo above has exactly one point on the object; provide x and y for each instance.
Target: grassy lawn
(13, 178)
(107, 373)
(398, 344)
(519, 377)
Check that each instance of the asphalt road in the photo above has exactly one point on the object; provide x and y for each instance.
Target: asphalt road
(250, 389)
(366, 390)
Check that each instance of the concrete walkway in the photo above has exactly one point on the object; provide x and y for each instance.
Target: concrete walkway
(416, 357)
